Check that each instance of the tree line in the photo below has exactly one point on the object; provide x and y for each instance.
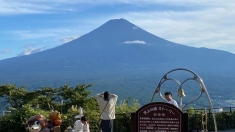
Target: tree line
(66, 99)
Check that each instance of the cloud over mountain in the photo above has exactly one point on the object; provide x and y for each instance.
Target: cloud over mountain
(31, 50)
(68, 38)
(135, 42)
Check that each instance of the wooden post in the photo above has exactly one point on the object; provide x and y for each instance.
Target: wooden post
(133, 122)
(185, 122)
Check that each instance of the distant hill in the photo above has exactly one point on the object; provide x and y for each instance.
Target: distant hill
(112, 55)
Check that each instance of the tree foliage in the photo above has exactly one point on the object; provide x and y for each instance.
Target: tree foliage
(66, 99)
(24, 104)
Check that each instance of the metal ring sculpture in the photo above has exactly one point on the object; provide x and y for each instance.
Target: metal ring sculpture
(181, 91)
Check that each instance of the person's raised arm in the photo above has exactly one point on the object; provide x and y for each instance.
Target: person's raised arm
(113, 96)
(98, 96)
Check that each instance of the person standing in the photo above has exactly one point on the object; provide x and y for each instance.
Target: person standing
(168, 96)
(107, 104)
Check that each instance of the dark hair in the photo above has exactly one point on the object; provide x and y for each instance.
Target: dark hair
(106, 96)
(168, 93)
(83, 118)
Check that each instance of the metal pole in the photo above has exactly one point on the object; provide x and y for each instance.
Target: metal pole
(181, 104)
(206, 119)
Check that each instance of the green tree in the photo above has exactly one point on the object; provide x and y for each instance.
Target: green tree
(43, 101)
(122, 122)
(25, 104)
(16, 121)
(74, 96)
(14, 96)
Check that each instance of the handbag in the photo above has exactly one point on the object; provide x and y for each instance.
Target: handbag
(100, 129)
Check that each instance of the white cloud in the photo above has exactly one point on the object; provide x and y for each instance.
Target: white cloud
(53, 36)
(5, 51)
(134, 42)
(135, 27)
(68, 38)
(41, 33)
(31, 50)
(208, 25)
(20, 7)
(30, 34)
(12, 7)
(199, 23)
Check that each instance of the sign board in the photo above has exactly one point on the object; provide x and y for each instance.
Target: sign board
(159, 117)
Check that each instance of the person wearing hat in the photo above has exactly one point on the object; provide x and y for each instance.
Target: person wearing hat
(107, 104)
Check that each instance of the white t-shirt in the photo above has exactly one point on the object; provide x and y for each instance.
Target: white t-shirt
(172, 101)
(86, 128)
(107, 112)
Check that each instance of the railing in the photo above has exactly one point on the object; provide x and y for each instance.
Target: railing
(201, 119)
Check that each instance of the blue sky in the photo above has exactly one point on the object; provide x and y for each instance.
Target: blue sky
(30, 26)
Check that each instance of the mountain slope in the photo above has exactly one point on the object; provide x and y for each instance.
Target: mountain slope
(117, 45)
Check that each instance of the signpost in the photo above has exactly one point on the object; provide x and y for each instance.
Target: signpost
(159, 117)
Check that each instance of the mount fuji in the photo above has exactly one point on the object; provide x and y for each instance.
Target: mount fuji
(118, 56)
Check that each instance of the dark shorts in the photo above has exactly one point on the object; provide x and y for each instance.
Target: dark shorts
(107, 125)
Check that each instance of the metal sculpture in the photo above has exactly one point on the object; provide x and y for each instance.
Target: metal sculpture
(181, 90)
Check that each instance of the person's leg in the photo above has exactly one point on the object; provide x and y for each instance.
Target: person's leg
(111, 125)
(107, 125)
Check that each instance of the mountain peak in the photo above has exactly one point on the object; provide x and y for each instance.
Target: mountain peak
(121, 20)
(118, 31)
(117, 24)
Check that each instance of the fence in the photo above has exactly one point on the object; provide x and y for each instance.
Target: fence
(202, 119)
(199, 119)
